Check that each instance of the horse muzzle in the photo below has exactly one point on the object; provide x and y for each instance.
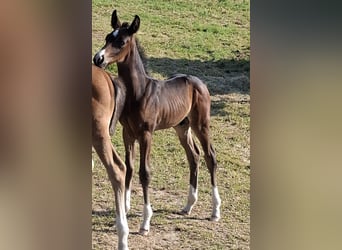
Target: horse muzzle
(99, 60)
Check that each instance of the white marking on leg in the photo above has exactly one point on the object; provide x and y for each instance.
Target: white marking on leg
(216, 204)
(147, 214)
(122, 227)
(128, 200)
(192, 198)
(92, 164)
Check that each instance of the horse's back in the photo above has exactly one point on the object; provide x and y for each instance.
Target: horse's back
(108, 96)
(102, 86)
(102, 101)
(183, 81)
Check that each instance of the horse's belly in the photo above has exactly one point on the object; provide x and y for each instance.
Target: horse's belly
(171, 120)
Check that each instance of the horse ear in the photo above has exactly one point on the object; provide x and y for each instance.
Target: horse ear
(115, 21)
(133, 28)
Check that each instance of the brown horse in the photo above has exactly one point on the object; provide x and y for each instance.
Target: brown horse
(181, 102)
(108, 97)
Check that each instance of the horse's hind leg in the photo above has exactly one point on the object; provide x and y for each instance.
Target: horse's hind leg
(192, 152)
(116, 171)
(201, 129)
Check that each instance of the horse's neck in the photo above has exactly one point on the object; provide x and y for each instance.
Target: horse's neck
(133, 73)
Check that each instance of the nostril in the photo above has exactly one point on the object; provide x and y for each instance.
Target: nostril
(98, 59)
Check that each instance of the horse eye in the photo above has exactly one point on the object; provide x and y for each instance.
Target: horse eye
(118, 43)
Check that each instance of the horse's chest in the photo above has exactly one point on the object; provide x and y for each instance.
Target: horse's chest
(141, 110)
(139, 118)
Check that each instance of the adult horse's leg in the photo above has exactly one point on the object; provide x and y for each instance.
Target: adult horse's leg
(116, 171)
(130, 156)
(144, 175)
(192, 153)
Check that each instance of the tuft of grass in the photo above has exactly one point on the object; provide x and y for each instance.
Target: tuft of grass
(209, 39)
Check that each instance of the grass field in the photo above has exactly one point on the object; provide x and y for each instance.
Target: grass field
(209, 39)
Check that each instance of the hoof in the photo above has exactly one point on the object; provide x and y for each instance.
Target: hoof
(143, 232)
(214, 218)
(184, 212)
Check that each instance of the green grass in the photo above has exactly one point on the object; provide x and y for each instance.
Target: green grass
(209, 39)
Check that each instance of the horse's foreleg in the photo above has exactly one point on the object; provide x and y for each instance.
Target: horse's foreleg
(130, 156)
(144, 175)
(119, 188)
(192, 153)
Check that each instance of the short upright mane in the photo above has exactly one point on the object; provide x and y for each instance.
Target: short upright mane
(141, 50)
(142, 54)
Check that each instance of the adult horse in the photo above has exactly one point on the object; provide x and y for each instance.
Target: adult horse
(181, 102)
(108, 97)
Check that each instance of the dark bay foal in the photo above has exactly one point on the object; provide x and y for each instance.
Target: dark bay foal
(181, 102)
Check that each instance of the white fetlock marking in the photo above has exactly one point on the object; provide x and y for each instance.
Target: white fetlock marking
(122, 228)
(147, 214)
(92, 164)
(192, 198)
(216, 203)
(128, 199)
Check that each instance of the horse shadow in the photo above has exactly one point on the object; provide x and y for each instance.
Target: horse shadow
(222, 77)
(102, 213)
(175, 215)
(111, 213)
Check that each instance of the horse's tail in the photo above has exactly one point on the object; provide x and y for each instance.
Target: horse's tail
(120, 97)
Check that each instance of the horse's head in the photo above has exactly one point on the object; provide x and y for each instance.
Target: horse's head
(118, 42)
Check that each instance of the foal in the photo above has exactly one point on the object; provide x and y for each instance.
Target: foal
(108, 96)
(181, 102)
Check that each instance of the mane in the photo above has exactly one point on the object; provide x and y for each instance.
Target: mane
(124, 25)
(141, 50)
(142, 54)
